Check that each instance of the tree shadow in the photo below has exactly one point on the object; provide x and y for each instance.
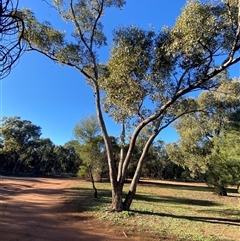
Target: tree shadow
(14, 189)
(230, 212)
(22, 178)
(214, 220)
(176, 200)
(188, 186)
(82, 199)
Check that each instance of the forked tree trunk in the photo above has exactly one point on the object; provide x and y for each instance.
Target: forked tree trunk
(133, 187)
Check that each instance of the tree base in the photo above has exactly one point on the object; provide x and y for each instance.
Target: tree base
(220, 190)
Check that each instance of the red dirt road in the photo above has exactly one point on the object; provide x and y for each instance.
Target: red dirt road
(33, 209)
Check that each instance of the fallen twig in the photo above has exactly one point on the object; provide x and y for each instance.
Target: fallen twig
(125, 234)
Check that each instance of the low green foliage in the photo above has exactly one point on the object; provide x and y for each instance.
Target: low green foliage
(168, 211)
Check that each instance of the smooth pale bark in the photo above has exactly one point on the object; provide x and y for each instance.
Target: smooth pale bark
(133, 187)
(117, 204)
(122, 152)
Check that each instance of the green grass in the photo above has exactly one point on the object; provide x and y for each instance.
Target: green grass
(168, 212)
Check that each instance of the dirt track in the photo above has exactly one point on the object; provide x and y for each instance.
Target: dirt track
(32, 209)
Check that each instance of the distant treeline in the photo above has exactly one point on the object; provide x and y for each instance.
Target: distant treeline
(24, 151)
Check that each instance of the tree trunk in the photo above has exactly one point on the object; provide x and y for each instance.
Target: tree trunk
(15, 168)
(133, 187)
(117, 187)
(160, 173)
(129, 198)
(220, 190)
(93, 183)
(117, 203)
(16, 163)
(122, 153)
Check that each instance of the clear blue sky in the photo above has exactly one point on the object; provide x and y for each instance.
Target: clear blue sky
(56, 97)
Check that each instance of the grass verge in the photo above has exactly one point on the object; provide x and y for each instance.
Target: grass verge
(166, 212)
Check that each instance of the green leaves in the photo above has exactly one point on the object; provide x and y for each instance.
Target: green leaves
(87, 32)
(85, 16)
(46, 39)
(144, 67)
(202, 134)
(87, 129)
(204, 28)
(91, 149)
(41, 36)
(224, 164)
(126, 83)
(20, 132)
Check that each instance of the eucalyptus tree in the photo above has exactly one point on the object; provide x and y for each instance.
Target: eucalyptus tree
(202, 133)
(19, 140)
(149, 75)
(164, 68)
(11, 34)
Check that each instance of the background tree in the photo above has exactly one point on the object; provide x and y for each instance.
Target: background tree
(93, 156)
(200, 131)
(22, 150)
(224, 165)
(42, 156)
(11, 34)
(19, 140)
(159, 165)
(73, 160)
(50, 159)
(161, 69)
(91, 148)
(86, 129)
